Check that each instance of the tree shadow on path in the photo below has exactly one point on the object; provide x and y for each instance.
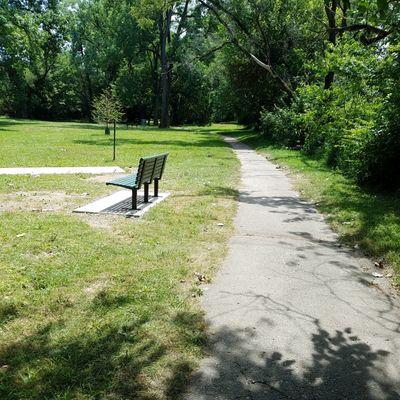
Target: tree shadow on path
(342, 367)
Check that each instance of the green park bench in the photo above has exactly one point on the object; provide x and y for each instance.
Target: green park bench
(150, 170)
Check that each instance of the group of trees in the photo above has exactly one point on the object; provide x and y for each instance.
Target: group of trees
(323, 74)
(57, 56)
(345, 107)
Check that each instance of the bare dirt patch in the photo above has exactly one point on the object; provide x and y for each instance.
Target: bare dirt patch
(96, 287)
(39, 201)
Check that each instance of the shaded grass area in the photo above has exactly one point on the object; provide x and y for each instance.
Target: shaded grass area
(111, 312)
(361, 216)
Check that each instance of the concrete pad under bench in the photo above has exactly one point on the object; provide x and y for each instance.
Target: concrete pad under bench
(120, 203)
(61, 170)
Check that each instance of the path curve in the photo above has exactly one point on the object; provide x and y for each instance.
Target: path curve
(292, 315)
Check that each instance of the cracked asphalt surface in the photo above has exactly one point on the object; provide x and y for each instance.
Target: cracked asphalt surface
(292, 314)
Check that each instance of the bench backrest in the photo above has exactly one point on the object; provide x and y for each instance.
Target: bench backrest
(151, 168)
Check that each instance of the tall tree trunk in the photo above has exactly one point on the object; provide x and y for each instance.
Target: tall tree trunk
(330, 9)
(164, 28)
(156, 108)
(154, 63)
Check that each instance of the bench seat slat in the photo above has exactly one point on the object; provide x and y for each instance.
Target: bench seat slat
(128, 182)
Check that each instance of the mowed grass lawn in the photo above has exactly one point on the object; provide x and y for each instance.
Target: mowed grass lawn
(104, 307)
(364, 218)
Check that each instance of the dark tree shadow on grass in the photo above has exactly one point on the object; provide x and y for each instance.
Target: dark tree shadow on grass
(342, 368)
(88, 365)
(191, 326)
(219, 191)
(107, 362)
(201, 142)
(5, 123)
(8, 311)
(120, 127)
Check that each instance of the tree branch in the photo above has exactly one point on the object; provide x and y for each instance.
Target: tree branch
(213, 8)
(361, 27)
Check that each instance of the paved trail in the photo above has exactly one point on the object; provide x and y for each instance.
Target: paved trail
(292, 315)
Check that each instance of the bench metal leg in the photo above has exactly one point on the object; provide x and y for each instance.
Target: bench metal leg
(156, 187)
(146, 192)
(134, 199)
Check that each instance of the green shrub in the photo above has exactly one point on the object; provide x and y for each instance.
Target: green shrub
(281, 126)
(355, 125)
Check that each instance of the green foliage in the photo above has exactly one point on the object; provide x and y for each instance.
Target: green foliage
(190, 100)
(280, 126)
(385, 146)
(277, 32)
(345, 123)
(134, 87)
(107, 108)
(353, 125)
(32, 38)
(57, 57)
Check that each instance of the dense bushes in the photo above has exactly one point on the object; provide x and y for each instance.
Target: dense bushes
(281, 125)
(355, 124)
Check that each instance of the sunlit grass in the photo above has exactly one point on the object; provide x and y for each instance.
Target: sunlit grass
(107, 312)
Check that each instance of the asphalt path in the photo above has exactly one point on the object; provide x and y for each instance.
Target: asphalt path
(292, 313)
